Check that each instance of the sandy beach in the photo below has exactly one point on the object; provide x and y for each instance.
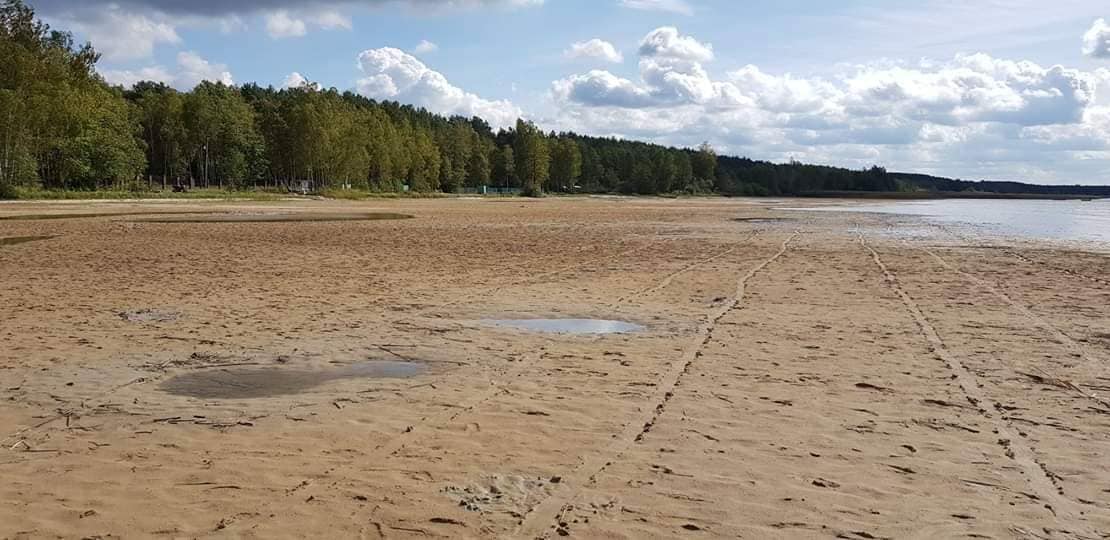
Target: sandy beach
(798, 374)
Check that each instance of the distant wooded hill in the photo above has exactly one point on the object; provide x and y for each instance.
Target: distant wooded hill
(939, 184)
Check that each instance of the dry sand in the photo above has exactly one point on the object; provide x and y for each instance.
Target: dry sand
(822, 375)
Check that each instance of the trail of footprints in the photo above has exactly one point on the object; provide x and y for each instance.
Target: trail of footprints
(1021, 257)
(1042, 482)
(544, 517)
(400, 441)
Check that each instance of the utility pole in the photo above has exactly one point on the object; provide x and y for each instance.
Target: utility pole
(205, 163)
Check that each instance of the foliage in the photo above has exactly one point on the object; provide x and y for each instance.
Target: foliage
(533, 157)
(504, 168)
(566, 164)
(60, 125)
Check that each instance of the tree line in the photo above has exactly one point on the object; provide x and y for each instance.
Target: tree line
(63, 127)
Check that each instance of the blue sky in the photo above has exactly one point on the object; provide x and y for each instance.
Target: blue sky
(1016, 89)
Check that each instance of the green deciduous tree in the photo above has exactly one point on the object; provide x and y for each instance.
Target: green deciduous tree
(60, 125)
(704, 162)
(533, 157)
(566, 164)
(504, 167)
(478, 170)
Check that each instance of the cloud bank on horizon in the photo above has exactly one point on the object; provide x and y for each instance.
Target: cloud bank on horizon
(983, 110)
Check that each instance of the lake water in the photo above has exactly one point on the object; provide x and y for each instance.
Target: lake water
(1039, 220)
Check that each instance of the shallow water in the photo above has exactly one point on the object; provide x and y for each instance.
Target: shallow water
(569, 326)
(1086, 221)
(267, 382)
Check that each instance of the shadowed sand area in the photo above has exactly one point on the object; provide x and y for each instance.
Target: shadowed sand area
(826, 375)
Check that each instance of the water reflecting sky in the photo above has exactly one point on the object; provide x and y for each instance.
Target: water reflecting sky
(1041, 220)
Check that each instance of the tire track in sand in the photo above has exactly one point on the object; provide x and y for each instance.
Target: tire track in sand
(1063, 270)
(1064, 510)
(1073, 346)
(402, 440)
(676, 274)
(540, 518)
(425, 426)
(1013, 252)
(561, 270)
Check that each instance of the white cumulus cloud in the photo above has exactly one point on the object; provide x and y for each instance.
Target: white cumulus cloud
(671, 72)
(127, 77)
(425, 47)
(392, 74)
(596, 49)
(667, 42)
(288, 24)
(601, 88)
(191, 70)
(280, 24)
(296, 80)
(1096, 42)
(120, 34)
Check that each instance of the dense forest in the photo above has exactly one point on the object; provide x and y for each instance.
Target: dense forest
(948, 185)
(62, 127)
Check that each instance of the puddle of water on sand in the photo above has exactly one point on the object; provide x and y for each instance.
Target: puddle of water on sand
(13, 240)
(569, 326)
(276, 218)
(268, 382)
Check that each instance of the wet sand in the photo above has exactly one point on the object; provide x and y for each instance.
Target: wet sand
(799, 375)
